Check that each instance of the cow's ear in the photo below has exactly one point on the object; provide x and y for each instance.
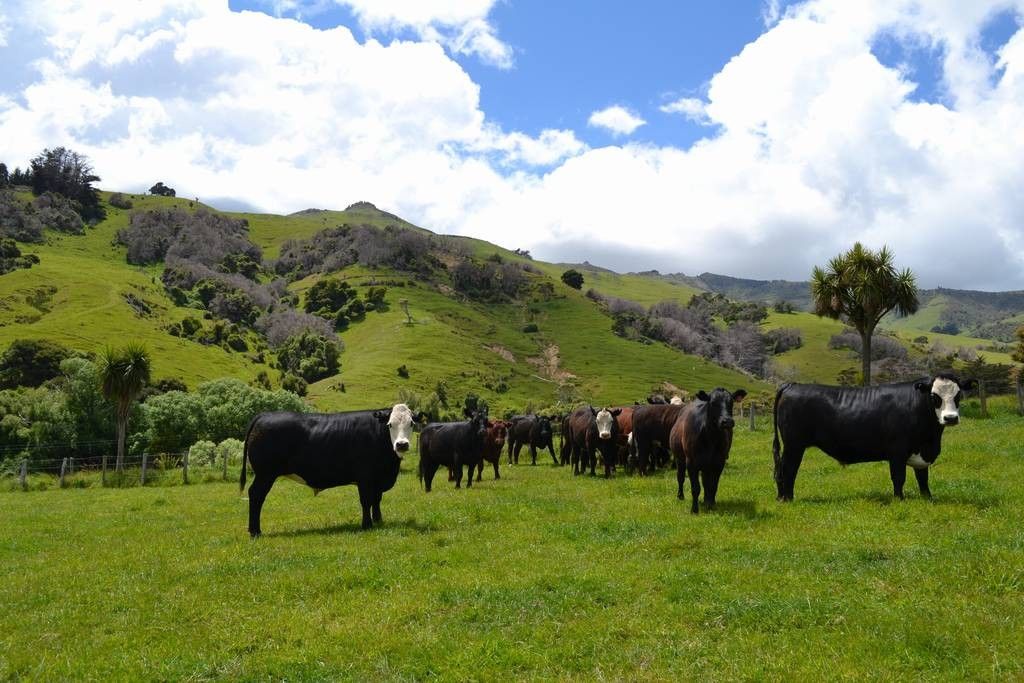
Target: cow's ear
(421, 417)
(617, 412)
(739, 395)
(382, 415)
(925, 387)
(703, 395)
(593, 411)
(968, 384)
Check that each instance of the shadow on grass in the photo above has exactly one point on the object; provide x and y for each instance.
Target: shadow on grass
(408, 524)
(740, 508)
(978, 500)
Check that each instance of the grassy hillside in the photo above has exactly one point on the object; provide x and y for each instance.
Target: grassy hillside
(81, 295)
(536, 576)
(77, 294)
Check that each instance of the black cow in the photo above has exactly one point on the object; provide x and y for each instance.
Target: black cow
(454, 445)
(701, 439)
(326, 450)
(533, 431)
(899, 423)
(652, 425)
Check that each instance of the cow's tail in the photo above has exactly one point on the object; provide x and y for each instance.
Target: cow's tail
(245, 455)
(776, 446)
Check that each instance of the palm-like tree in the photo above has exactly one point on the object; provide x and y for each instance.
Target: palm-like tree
(862, 286)
(123, 374)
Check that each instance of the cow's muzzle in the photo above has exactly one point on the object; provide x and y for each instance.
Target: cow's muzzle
(950, 419)
(401, 447)
(605, 435)
(727, 423)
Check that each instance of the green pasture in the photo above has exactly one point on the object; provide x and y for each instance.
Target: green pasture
(537, 576)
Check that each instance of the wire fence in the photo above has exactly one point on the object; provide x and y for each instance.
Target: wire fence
(86, 471)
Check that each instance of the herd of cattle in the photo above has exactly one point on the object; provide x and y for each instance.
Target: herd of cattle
(898, 423)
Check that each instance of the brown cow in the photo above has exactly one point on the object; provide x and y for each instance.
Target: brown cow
(652, 425)
(495, 441)
(625, 422)
(700, 440)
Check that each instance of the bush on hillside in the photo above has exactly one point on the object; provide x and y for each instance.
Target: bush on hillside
(294, 384)
(57, 212)
(11, 258)
(882, 346)
(18, 220)
(162, 190)
(310, 356)
(784, 339)
(279, 326)
(335, 248)
(30, 362)
(120, 201)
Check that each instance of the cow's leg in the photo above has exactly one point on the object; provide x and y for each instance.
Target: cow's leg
(470, 467)
(533, 454)
(495, 463)
(366, 500)
(898, 473)
(551, 450)
(511, 445)
(451, 474)
(609, 462)
(593, 462)
(643, 449)
(792, 456)
(479, 471)
(458, 475)
(922, 482)
(429, 470)
(681, 475)
(258, 491)
(711, 476)
(376, 507)
(518, 447)
(694, 486)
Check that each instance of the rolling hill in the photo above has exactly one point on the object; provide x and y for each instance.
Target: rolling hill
(84, 294)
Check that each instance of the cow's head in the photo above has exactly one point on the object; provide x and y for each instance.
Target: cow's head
(498, 433)
(605, 419)
(479, 424)
(544, 426)
(720, 404)
(946, 390)
(399, 421)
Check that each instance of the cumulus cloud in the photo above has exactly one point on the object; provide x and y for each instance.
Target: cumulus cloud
(816, 143)
(617, 119)
(460, 25)
(692, 108)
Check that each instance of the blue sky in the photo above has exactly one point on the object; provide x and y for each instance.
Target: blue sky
(754, 138)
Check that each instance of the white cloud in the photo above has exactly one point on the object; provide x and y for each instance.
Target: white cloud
(617, 119)
(692, 108)
(816, 143)
(770, 12)
(460, 25)
(4, 29)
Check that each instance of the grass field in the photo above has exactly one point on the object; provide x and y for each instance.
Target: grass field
(538, 575)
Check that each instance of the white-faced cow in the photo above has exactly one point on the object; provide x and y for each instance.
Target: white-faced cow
(700, 441)
(899, 423)
(322, 451)
(591, 430)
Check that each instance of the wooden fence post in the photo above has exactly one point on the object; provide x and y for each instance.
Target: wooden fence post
(103, 476)
(982, 398)
(63, 469)
(1020, 392)
(71, 465)
(23, 476)
(142, 476)
(225, 464)
(184, 468)
(752, 425)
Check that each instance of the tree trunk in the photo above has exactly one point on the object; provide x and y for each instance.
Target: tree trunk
(122, 429)
(865, 358)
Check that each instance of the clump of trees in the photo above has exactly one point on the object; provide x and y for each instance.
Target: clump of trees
(335, 248)
(120, 201)
(69, 174)
(488, 281)
(573, 278)
(30, 362)
(309, 355)
(162, 190)
(882, 345)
